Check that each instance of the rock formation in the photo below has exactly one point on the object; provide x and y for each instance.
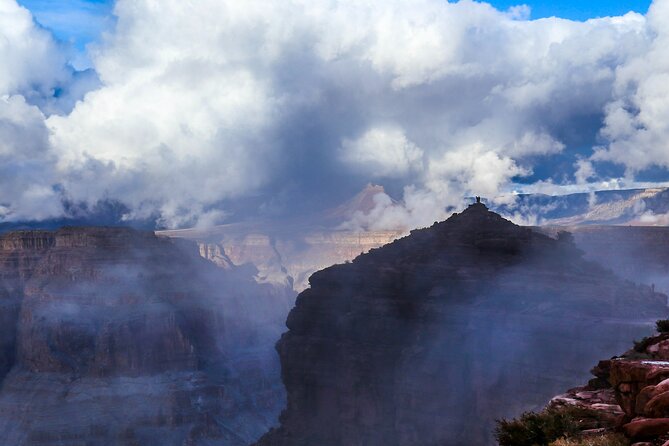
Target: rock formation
(427, 340)
(287, 252)
(118, 337)
(629, 394)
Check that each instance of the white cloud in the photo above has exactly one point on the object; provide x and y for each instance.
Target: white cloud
(637, 117)
(213, 100)
(32, 63)
(26, 166)
(32, 68)
(383, 152)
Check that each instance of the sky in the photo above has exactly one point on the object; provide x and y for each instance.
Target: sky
(201, 113)
(81, 22)
(578, 9)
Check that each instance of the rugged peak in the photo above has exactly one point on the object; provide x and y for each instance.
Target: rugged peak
(477, 226)
(380, 344)
(363, 202)
(478, 210)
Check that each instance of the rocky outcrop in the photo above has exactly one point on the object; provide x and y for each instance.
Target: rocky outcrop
(629, 394)
(431, 338)
(118, 337)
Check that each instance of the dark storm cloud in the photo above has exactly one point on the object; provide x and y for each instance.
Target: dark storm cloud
(296, 104)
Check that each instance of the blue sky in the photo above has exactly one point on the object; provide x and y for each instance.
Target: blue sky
(77, 22)
(578, 9)
(80, 22)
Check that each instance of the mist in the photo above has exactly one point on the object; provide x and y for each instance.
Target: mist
(115, 336)
(430, 339)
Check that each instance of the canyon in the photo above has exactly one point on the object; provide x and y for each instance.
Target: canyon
(287, 252)
(116, 336)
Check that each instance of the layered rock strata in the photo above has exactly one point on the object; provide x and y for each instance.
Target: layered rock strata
(118, 337)
(629, 393)
(431, 338)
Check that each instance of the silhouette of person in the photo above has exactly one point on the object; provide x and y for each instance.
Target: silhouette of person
(478, 199)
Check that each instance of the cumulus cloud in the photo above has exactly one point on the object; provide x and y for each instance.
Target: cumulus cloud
(384, 152)
(636, 127)
(33, 68)
(204, 103)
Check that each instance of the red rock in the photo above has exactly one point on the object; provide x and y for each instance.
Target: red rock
(646, 428)
(658, 406)
(631, 377)
(659, 350)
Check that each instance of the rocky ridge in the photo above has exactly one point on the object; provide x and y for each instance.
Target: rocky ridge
(432, 337)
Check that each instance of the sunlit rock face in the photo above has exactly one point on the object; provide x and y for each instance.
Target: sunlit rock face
(429, 339)
(287, 252)
(606, 207)
(113, 336)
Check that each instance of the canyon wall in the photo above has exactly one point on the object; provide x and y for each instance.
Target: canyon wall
(118, 337)
(284, 255)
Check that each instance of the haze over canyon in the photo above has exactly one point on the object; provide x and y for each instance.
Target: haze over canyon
(334, 223)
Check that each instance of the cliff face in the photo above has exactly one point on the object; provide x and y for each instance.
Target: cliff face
(283, 256)
(113, 336)
(287, 251)
(429, 339)
(629, 394)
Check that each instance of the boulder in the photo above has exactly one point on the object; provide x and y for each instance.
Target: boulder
(658, 406)
(630, 377)
(646, 428)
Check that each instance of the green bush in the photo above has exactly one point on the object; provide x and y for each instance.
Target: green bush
(599, 440)
(662, 325)
(540, 428)
(640, 346)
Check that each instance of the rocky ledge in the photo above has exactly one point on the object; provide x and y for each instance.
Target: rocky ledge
(629, 394)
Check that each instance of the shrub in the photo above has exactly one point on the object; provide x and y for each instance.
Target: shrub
(599, 440)
(540, 428)
(662, 325)
(640, 346)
